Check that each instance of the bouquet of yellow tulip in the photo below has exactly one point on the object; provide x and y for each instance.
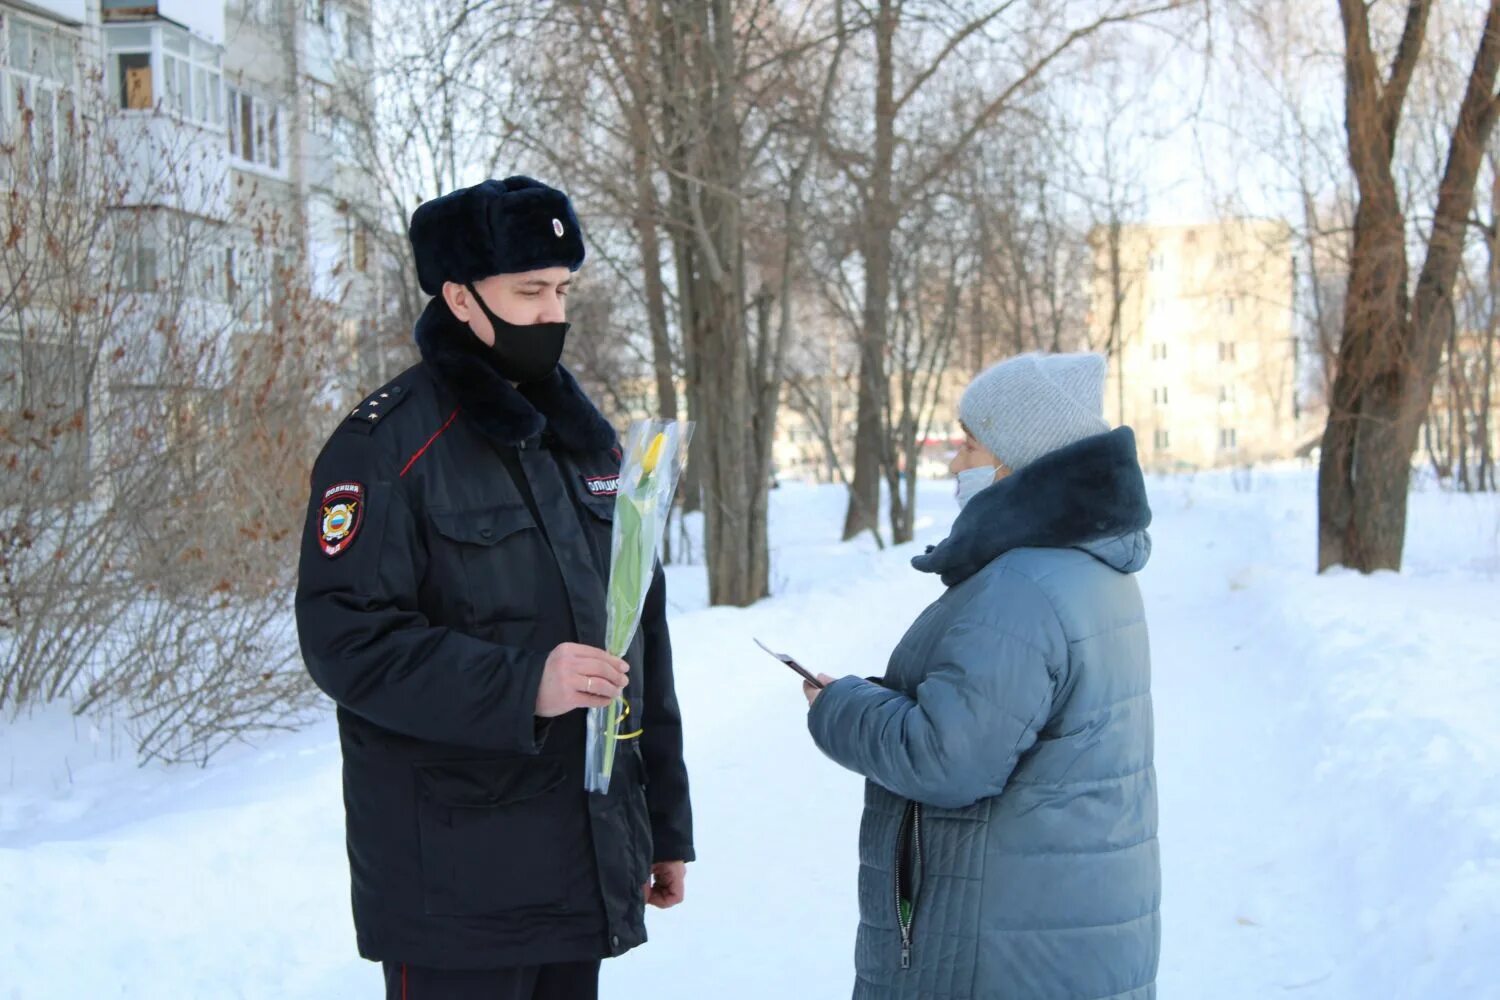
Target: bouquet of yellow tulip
(654, 453)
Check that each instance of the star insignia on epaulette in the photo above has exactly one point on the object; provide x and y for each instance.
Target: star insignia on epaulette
(377, 406)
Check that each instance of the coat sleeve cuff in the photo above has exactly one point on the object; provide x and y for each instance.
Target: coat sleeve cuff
(825, 705)
(671, 850)
(532, 731)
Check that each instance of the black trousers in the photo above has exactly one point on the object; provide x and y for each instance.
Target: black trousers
(568, 981)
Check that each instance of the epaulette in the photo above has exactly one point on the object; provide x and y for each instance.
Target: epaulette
(375, 409)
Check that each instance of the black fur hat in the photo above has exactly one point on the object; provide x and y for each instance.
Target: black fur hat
(497, 227)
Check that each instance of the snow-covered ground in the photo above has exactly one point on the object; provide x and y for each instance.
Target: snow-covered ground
(1328, 753)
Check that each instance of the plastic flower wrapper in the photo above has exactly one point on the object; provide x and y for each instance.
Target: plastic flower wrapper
(655, 451)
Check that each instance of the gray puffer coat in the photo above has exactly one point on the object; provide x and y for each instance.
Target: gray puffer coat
(1008, 847)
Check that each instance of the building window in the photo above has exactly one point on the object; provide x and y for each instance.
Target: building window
(38, 51)
(1159, 351)
(203, 266)
(1229, 307)
(38, 87)
(1157, 262)
(1228, 439)
(319, 108)
(255, 129)
(135, 262)
(345, 137)
(1159, 396)
(134, 70)
(231, 284)
(1226, 350)
(357, 40)
(359, 246)
(190, 78)
(247, 284)
(263, 12)
(1163, 440)
(163, 64)
(348, 35)
(1226, 393)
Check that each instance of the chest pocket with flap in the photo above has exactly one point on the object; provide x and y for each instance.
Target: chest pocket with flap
(482, 560)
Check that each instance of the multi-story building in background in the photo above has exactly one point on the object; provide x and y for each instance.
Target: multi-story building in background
(251, 103)
(219, 141)
(1204, 360)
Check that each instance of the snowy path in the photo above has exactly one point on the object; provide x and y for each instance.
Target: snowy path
(1238, 911)
(1328, 755)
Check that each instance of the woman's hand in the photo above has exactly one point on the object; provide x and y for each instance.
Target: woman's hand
(812, 692)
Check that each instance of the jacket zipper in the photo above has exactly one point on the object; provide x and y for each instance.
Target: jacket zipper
(904, 918)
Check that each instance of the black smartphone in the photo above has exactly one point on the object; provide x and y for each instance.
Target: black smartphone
(793, 664)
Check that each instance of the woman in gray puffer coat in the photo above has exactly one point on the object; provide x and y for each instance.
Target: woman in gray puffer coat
(1008, 848)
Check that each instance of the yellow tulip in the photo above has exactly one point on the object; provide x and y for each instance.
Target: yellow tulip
(653, 454)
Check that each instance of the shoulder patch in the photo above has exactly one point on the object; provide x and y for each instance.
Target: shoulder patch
(340, 517)
(373, 411)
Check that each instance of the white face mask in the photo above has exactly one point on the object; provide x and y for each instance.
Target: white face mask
(971, 482)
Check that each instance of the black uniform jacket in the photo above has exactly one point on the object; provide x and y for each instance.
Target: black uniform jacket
(458, 531)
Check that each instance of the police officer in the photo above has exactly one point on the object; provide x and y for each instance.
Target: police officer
(451, 600)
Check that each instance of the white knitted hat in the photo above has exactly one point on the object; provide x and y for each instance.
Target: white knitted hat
(1028, 406)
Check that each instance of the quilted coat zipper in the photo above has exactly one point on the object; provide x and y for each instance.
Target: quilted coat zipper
(906, 910)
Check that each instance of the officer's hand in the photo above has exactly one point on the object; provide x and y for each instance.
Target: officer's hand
(668, 885)
(579, 677)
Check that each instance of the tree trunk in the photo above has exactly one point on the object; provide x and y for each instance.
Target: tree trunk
(903, 485)
(1458, 413)
(979, 319)
(1390, 355)
(1485, 473)
(765, 395)
(1485, 476)
(880, 225)
(900, 513)
(656, 296)
(699, 88)
(1116, 315)
(1358, 525)
(677, 133)
(662, 359)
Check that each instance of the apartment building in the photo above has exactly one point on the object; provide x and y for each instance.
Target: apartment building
(218, 142)
(1205, 360)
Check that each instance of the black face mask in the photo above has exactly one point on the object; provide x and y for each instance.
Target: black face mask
(524, 353)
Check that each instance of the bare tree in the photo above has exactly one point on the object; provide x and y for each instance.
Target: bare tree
(1116, 199)
(712, 105)
(1459, 430)
(706, 166)
(873, 171)
(1393, 338)
(432, 111)
(928, 298)
(160, 401)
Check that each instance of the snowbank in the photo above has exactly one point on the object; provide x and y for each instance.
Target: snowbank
(1328, 754)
